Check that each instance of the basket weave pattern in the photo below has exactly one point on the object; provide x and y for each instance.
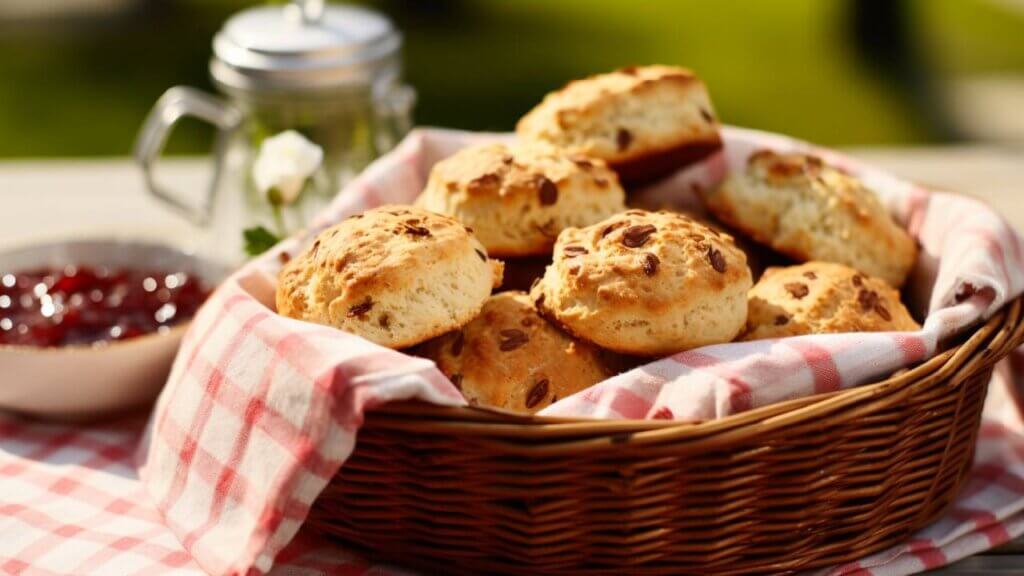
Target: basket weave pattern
(802, 484)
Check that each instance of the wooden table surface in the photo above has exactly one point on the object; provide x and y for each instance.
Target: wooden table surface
(50, 199)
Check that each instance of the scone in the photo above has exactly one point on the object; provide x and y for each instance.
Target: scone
(809, 210)
(645, 121)
(647, 284)
(822, 297)
(510, 357)
(517, 200)
(395, 275)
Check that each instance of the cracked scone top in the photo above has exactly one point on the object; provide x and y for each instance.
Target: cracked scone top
(646, 283)
(517, 199)
(822, 297)
(510, 357)
(645, 121)
(808, 210)
(395, 275)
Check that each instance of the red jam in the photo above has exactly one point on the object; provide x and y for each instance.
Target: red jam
(78, 305)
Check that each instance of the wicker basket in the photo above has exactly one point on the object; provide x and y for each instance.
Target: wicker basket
(802, 484)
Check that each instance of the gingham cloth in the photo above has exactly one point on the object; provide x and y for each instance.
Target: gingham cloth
(71, 504)
(260, 411)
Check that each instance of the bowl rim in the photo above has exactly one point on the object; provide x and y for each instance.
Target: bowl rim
(172, 331)
(175, 330)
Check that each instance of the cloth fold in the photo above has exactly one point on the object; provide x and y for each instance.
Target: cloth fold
(261, 411)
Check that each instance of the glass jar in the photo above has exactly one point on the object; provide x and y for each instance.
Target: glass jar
(330, 73)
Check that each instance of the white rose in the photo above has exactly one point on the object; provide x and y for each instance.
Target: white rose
(284, 163)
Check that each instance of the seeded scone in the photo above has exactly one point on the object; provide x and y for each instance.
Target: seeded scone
(822, 297)
(645, 121)
(808, 210)
(395, 275)
(517, 199)
(510, 357)
(646, 283)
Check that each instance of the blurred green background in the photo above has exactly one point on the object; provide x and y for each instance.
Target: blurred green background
(77, 77)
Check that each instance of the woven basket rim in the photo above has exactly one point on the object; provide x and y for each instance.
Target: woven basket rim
(982, 348)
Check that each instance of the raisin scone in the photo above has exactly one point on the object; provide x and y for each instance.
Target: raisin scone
(646, 284)
(645, 121)
(808, 210)
(517, 199)
(822, 297)
(510, 357)
(395, 275)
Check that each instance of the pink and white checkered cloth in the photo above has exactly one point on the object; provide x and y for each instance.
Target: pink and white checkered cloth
(260, 411)
(71, 504)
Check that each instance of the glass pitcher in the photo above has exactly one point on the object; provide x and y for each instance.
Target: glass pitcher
(330, 73)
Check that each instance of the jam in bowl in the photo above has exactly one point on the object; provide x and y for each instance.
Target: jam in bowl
(91, 327)
(84, 305)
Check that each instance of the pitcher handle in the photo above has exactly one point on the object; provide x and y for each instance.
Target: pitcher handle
(177, 103)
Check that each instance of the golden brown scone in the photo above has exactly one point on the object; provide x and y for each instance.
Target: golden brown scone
(808, 210)
(510, 357)
(517, 199)
(821, 297)
(647, 284)
(645, 121)
(395, 275)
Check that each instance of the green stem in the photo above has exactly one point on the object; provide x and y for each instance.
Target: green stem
(275, 209)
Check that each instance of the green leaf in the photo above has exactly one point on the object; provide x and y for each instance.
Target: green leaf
(258, 240)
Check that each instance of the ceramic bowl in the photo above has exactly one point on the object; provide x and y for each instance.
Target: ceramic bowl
(86, 382)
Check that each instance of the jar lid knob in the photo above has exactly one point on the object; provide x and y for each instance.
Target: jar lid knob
(307, 11)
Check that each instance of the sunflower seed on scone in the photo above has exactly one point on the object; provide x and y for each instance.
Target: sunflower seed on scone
(510, 357)
(517, 199)
(822, 297)
(646, 284)
(645, 121)
(808, 210)
(395, 275)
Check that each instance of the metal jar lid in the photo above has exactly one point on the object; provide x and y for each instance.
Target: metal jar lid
(304, 45)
